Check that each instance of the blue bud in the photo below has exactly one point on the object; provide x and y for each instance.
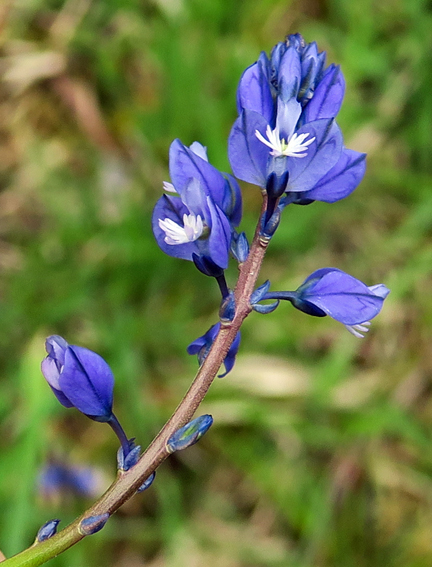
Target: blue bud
(148, 481)
(272, 224)
(276, 184)
(189, 434)
(93, 524)
(227, 308)
(79, 378)
(47, 530)
(124, 463)
(240, 247)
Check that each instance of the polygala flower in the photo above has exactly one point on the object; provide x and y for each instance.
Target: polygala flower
(195, 221)
(332, 292)
(82, 379)
(286, 127)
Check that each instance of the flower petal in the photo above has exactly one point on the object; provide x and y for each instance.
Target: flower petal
(323, 153)
(328, 96)
(185, 164)
(87, 382)
(254, 92)
(342, 178)
(248, 156)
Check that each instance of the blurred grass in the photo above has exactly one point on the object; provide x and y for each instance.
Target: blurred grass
(320, 454)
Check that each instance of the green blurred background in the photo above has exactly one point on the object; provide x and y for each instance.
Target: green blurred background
(321, 450)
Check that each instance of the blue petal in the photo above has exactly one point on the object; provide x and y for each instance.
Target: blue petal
(288, 114)
(185, 165)
(248, 156)
(231, 356)
(201, 346)
(254, 92)
(147, 483)
(56, 347)
(265, 309)
(199, 150)
(232, 202)
(328, 96)
(322, 155)
(240, 246)
(220, 236)
(195, 198)
(289, 74)
(87, 382)
(342, 178)
(259, 293)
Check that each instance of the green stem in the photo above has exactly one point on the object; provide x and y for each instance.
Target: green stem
(127, 483)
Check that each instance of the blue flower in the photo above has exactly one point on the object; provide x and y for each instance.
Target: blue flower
(82, 379)
(286, 127)
(196, 221)
(79, 378)
(202, 345)
(332, 292)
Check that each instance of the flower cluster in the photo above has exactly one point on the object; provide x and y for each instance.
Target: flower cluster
(285, 140)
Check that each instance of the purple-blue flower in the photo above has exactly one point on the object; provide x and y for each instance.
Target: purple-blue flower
(332, 292)
(196, 220)
(79, 378)
(201, 347)
(82, 379)
(285, 139)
